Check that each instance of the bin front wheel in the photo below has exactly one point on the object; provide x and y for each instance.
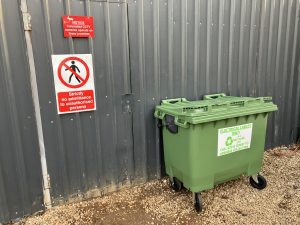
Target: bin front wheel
(258, 182)
(175, 184)
(197, 202)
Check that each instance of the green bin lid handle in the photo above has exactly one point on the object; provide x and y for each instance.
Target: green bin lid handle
(213, 96)
(174, 100)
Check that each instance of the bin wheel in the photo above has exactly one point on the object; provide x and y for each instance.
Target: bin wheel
(198, 202)
(175, 184)
(262, 183)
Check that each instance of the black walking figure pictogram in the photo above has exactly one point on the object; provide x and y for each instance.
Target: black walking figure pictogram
(74, 68)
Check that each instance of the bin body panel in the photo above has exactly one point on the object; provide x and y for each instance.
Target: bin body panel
(191, 155)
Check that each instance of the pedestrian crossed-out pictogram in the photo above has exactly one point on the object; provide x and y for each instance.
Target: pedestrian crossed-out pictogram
(73, 72)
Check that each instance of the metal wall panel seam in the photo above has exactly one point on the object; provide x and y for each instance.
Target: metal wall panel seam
(157, 75)
(36, 105)
(99, 152)
(250, 72)
(293, 66)
(142, 91)
(208, 47)
(78, 120)
(241, 48)
(220, 42)
(230, 56)
(170, 46)
(261, 46)
(111, 90)
(63, 172)
(277, 81)
(270, 49)
(285, 65)
(268, 87)
(128, 87)
(127, 83)
(196, 51)
(183, 46)
(297, 95)
(20, 164)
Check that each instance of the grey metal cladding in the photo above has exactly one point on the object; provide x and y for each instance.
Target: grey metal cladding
(155, 50)
(20, 171)
(143, 51)
(90, 150)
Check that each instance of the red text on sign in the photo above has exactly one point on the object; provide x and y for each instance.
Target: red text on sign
(78, 26)
(76, 100)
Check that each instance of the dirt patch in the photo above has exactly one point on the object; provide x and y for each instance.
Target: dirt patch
(234, 202)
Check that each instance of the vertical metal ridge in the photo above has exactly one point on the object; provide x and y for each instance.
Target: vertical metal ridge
(261, 44)
(241, 48)
(196, 51)
(250, 71)
(128, 88)
(127, 83)
(208, 48)
(268, 75)
(285, 66)
(111, 89)
(78, 120)
(276, 116)
(183, 47)
(13, 115)
(290, 89)
(156, 40)
(142, 73)
(99, 153)
(269, 51)
(64, 173)
(231, 31)
(170, 46)
(220, 42)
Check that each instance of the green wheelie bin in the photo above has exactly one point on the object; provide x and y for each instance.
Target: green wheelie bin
(213, 140)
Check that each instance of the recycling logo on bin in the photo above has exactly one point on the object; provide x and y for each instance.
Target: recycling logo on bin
(233, 139)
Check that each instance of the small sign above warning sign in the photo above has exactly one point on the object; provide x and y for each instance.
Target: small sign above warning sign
(74, 83)
(78, 26)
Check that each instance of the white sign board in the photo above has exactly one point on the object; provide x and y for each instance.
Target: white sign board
(233, 139)
(74, 83)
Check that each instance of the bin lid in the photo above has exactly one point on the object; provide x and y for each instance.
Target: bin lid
(212, 108)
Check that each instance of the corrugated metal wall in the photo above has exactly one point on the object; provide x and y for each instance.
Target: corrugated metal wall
(145, 51)
(20, 171)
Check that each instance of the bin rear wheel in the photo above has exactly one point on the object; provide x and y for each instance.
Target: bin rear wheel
(175, 184)
(262, 183)
(197, 202)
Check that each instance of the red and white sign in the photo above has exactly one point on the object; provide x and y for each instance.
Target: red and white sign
(78, 26)
(74, 83)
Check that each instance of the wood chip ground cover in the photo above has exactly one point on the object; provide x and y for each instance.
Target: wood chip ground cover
(234, 202)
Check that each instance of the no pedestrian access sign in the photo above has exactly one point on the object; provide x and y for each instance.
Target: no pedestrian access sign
(74, 83)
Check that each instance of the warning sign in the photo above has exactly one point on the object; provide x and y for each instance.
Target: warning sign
(74, 83)
(78, 26)
(232, 139)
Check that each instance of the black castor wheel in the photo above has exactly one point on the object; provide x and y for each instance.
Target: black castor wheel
(262, 183)
(175, 184)
(197, 202)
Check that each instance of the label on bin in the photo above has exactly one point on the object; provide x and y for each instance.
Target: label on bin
(233, 139)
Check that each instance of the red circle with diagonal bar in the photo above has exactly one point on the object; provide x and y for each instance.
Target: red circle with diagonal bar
(64, 65)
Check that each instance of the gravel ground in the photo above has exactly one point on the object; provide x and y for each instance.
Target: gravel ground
(234, 202)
